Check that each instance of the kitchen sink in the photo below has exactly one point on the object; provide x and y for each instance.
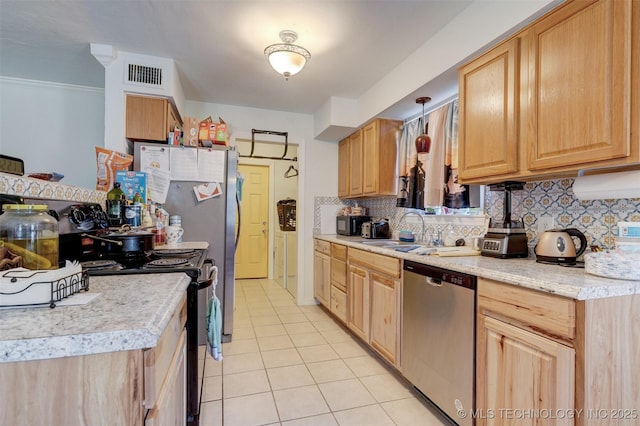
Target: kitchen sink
(387, 243)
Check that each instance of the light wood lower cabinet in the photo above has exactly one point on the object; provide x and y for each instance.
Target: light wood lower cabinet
(374, 295)
(556, 360)
(170, 408)
(358, 314)
(322, 272)
(338, 305)
(518, 365)
(115, 388)
(385, 316)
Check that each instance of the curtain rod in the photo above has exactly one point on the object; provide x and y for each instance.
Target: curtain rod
(435, 107)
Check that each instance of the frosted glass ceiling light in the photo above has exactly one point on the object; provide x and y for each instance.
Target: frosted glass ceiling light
(286, 58)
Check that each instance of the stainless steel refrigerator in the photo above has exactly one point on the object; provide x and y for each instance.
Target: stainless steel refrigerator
(214, 221)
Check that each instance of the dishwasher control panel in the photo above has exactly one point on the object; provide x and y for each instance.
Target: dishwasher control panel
(439, 274)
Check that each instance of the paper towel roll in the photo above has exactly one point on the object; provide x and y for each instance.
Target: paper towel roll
(607, 186)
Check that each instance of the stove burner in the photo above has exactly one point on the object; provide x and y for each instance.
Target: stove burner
(174, 253)
(96, 265)
(166, 263)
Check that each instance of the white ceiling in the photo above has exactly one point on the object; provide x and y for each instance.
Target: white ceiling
(218, 45)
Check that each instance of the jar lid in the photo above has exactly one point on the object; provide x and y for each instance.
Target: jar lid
(22, 207)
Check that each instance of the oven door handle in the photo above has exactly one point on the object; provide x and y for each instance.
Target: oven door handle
(210, 278)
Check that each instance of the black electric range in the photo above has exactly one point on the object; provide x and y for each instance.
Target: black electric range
(79, 223)
(195, 264)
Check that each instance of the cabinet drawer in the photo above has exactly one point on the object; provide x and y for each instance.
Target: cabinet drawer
(322, 246)
(339, 273)
(546, 314)
(158, 360)
(339, 303)
(377, 262)
(339, 251)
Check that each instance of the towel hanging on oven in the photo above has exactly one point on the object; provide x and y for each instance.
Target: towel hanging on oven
(214, 320)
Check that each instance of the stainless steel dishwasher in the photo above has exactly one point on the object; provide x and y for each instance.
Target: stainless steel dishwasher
(438, 337)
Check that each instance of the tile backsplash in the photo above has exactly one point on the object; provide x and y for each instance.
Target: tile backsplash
(597, 219)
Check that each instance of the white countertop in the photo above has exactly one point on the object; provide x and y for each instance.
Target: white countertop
(130, 313)
(570, 282)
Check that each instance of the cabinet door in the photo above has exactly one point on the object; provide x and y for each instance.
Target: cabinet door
(385, 313)
(339, 303)
(173, 119)
(344, 166)
(579, 85)
(146, 118)
(358, 300)
(370, 158)
(355, 163)
(321, 277)
(488, 113)
(517, 369)
(171, 407)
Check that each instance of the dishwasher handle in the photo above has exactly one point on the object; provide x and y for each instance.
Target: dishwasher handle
(433, 282)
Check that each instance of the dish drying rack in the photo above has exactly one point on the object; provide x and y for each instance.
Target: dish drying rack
(36, 292)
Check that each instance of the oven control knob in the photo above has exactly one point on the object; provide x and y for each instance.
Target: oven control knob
(77, 216)
(100, 219)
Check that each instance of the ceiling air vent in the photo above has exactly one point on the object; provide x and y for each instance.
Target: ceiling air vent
(143, 74)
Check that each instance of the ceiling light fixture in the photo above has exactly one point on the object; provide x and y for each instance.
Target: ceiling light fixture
(287, 58)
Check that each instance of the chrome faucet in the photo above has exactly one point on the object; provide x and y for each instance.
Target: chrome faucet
(422, 235)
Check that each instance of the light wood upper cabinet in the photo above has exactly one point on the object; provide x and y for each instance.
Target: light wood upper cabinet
(579, 85)
(355, 164)
(344, 159)
(556, 98)
(380, 176)
(149, 118)
(488, 113)
(367, 160)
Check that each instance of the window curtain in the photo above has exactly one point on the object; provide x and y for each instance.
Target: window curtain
(431, 179)
(455, 195)
(407, 155)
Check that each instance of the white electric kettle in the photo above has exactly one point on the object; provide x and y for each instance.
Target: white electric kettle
(556, 246)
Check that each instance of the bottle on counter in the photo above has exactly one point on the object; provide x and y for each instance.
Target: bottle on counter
(116, 200)
(27, 230)
(160, 231)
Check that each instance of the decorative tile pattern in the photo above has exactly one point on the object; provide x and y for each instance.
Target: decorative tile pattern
(36, 188)
(385, 208)
(597, 219)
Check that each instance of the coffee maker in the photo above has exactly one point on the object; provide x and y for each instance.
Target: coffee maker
(507, 238)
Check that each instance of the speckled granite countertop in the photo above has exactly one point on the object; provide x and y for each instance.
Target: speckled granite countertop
(130, 313)
(570, 282)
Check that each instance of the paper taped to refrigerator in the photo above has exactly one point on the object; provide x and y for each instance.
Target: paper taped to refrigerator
(158, 182)
(184, 164)
(154, 157)
(211, 165)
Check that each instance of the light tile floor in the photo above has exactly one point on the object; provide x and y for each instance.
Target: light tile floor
(295, 365)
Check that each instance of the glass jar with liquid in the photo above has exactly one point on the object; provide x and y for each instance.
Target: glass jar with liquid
(28, 230)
